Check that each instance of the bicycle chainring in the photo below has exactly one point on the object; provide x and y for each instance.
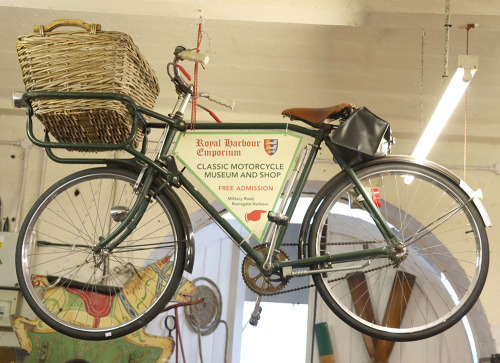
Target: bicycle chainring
(255, 278)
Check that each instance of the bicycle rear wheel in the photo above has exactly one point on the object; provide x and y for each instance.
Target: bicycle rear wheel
(425, 289)
(98, 295)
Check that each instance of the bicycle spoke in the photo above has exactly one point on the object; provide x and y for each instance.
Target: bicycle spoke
(57, 243)
(425, 286)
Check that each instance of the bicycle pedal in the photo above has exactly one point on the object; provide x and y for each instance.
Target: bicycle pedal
(255, 317)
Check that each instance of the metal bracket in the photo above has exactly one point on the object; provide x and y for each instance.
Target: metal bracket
(278, 218)
(171, 165)
(139, 179)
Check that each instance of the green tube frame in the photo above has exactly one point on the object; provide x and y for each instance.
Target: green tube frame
(156, 169)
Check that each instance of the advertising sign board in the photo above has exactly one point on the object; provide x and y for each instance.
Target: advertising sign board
(245, 171)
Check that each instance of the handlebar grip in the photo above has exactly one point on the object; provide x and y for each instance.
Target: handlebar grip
(221, 101)
(194, 57)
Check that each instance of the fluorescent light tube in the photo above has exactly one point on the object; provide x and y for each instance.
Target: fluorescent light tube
(444, 109)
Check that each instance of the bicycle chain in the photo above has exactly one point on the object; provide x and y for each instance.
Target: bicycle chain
(332, 280)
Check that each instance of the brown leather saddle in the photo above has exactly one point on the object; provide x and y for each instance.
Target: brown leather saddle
(315, 116)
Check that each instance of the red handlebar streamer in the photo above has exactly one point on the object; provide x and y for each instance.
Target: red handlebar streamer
(213, 115)
(184, 72)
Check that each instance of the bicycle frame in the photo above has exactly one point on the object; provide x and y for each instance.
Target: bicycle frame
(153, 168)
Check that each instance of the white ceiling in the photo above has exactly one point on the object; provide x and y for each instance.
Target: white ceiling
(272, 55)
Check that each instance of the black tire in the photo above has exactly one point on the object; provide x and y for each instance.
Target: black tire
(63, 280)
(427, 288)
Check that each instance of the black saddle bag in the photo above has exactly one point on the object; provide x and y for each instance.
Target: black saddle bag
(362, 137)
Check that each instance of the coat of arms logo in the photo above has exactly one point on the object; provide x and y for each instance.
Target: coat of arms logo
(271, 146)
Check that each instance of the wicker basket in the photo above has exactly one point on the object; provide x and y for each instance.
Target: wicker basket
(85, 61)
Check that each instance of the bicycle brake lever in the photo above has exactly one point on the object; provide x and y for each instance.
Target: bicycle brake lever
(217, 99)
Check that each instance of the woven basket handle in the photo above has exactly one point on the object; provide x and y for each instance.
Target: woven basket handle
(91, 28)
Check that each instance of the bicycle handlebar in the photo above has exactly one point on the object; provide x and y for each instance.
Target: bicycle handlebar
(194, 57)
(186, 89)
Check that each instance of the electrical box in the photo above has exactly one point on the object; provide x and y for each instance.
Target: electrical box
(8, 277)
(8, 306)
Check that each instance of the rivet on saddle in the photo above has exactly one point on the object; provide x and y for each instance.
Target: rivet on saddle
(316, 116)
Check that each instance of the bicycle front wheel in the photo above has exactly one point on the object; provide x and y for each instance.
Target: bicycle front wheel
(436, 278)
(98, 295)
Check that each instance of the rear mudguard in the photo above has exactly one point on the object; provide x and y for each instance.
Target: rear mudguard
(160, 185)
(323, 192)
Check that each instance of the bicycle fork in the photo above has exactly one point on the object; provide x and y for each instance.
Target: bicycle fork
(128, 218)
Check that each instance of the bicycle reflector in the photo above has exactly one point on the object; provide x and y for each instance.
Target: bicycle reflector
(375, 193)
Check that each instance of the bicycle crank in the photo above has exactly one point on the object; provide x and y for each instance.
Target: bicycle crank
(257, 280)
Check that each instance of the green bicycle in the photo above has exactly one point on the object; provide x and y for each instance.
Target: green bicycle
(397, 248)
